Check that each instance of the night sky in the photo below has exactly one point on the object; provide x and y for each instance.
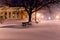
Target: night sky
(1, 2)
(16, 3)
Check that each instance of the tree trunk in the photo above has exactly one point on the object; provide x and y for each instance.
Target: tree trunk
(30, 15)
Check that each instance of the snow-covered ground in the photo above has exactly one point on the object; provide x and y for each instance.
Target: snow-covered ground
(44, 30)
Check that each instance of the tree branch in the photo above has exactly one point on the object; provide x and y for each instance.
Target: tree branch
(25, 6)
(44, 6)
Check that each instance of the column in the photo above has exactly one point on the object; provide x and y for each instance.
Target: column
(16, 15)
(12, 15)
(3, 16)
(7, 15)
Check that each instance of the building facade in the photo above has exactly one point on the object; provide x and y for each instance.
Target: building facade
(13, 13)
(19, 13)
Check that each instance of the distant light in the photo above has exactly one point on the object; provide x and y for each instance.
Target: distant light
(38, 14)
(37, 20)
(49, 18)
(13, 15)
(42, 16)
(57, 17)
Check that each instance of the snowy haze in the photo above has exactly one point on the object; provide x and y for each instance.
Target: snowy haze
(53, 11)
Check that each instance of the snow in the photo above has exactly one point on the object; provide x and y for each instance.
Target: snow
(44, 30)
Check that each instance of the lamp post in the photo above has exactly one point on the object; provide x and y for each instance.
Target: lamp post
(36, 18)
(57, 17)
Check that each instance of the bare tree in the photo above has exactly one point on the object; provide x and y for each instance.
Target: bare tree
(35, 5)
(32, 5)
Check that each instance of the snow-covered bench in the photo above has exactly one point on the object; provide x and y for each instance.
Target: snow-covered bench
(26, 23)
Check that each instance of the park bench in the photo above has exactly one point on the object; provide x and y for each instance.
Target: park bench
(26, 23)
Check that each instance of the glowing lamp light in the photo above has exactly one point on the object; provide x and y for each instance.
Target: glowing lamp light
(38, 14)
(37, 17)
(42, 16)
(49, 18)
(57, 17)
(13, 15)
(37, 20)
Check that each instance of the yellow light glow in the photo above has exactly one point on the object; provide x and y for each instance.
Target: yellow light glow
(57, 17)
(38, 14)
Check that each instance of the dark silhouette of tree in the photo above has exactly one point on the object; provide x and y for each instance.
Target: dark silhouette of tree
(32, 5)
(35, 5)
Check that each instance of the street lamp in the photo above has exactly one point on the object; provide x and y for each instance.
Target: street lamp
(49, 18)
(57, 17)
(37, 15)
